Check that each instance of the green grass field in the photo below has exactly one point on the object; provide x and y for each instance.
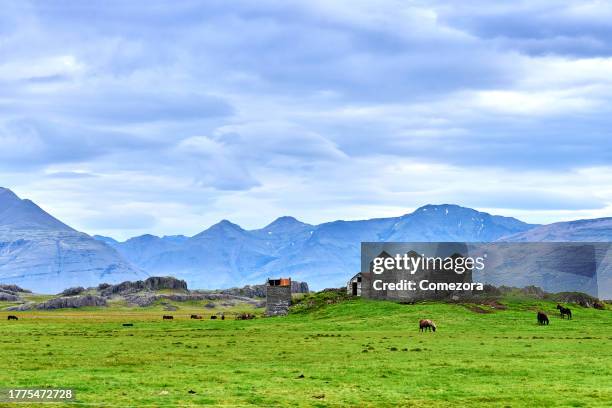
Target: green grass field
(355, 353)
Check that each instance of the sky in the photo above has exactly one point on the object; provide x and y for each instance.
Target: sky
(124, 118)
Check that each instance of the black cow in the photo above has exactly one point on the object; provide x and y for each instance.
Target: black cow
(167, 317)
(213, 317)
(11, 317)
(128, 324)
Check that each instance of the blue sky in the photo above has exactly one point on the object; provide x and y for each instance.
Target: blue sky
(122, 118)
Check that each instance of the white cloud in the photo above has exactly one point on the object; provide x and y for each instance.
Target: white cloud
(180, 116)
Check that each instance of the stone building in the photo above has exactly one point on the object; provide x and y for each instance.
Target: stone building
(278, 296)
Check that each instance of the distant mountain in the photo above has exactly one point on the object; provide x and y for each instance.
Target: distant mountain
(41, 253)
(594, 230)
(323, 255)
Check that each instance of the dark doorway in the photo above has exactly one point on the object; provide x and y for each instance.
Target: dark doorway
(354, 288)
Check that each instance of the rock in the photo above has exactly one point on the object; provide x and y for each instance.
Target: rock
(73, 291)
(72, 302)
(533, 291)
(7, 297)
(299, 287)
(14, 288)
(153, 283)
(259, 291)
(579, 298)
(491, 290)
(148, 298)
(21, 308)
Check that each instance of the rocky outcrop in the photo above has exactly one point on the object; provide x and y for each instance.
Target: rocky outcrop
(72, 302)
(529, 291)
(578, 298)
(8, 297)
(22, 307)
(73, 291)
(14, 288)
(152, 284)
(147, 299)
(259, 291)
(299, 287)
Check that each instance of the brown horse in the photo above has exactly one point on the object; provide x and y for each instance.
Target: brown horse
(198, 317)
(542, 318)
(565, 311)
(427, 324)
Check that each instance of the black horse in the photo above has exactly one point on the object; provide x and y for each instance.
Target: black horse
(542, 318)
(565, 311)
(11, 317)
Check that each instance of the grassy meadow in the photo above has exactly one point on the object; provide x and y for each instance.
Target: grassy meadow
(353, 353)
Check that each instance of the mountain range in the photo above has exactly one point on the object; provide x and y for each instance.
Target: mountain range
(226, 254)
(42, 253)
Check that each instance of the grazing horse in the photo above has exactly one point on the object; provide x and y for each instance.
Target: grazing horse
(213, 317)
(11, 317)
(426, 324)
(542, 318)
(167, 317)
(196, 317)
(565, 311)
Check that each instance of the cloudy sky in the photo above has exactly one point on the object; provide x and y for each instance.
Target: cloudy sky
(126, 117)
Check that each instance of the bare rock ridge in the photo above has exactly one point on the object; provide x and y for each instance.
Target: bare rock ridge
(72, 302)
(153, 283)
(259, 291)
(143, 293)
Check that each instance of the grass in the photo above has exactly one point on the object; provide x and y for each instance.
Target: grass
(345, 353)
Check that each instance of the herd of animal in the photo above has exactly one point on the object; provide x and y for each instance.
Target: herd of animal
(424, 324)
(429, 325)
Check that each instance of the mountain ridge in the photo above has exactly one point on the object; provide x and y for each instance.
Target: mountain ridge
(42, 253)
(227, 254)
(36, 248)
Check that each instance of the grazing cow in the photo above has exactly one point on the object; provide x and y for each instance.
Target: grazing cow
(128, 324)
(565, 311)
(11, 317)
(196, 317)
(222, 316)
(245, 316)
(542, 318)
(599, 305)
(167, 317)
(213, 317)
(426, 324)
